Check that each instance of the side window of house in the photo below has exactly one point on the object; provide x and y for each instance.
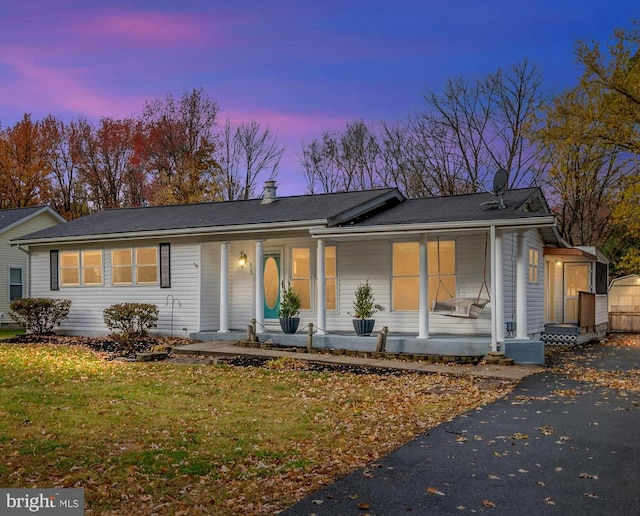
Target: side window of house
(405, 282)
(533, 265)
(134, 266)
(441, 264)
(70, 268)
(330, 272)
(301, 274)
(16, 284)
(80, 268)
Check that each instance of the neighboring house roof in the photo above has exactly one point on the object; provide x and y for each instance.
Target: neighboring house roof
(13, 216)
(323, 209)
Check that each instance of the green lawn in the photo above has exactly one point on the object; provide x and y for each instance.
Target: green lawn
(165, 438)
(7, 333)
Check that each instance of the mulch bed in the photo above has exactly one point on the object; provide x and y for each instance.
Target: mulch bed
(107, 347)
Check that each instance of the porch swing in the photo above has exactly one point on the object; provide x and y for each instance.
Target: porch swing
(466, 307)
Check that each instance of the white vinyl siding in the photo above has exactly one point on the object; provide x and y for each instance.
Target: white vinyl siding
(210, 284)
(88, 303)
(15, 257)
(535, 291)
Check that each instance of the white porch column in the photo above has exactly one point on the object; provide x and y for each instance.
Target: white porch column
(423, 299)
(224, 287)
(494, 337)
(499, 278)
(321, 286)
(259, 268)
(521, 287)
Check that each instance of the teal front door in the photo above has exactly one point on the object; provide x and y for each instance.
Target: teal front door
(271, 278)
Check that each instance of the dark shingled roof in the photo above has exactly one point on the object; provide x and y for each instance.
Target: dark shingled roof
(325, 207)
(11, 216)
(521, 203)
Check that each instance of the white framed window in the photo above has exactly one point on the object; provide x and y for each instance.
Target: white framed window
(16, 283)
(301, 274)
(330, 273)
(80, 268)
(405, 278)
(92, 267)
(441, 264)
(134, 266)
(70, 268)
(534, 265)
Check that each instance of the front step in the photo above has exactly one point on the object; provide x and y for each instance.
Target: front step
(498, 358)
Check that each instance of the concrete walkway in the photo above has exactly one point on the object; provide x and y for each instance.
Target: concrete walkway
(228, 348)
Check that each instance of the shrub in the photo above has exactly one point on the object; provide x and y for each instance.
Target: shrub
(39, 315)
(364, 306)
(131, 320)
(290, 302)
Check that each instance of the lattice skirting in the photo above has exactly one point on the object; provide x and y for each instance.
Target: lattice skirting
(559, 339)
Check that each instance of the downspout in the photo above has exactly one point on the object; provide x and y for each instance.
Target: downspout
(26, 250)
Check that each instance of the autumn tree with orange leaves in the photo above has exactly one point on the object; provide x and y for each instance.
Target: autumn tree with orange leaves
(25, 152)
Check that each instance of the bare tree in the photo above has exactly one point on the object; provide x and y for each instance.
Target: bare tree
(320, 164)
(68, 195)
(344, 161)
(245, 153)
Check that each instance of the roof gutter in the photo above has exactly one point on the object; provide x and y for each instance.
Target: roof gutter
(433, 227)
(222, 231)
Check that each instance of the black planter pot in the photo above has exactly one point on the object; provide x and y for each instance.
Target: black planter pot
(289, 324)
(363, 327)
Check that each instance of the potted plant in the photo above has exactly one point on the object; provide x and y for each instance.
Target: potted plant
(363, 309)
(290, 303)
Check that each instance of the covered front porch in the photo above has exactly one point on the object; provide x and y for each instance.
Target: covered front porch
(449, 347)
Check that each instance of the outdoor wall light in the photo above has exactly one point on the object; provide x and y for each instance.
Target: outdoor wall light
(242, 261)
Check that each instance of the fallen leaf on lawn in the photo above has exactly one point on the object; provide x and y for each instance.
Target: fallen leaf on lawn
(518, 435)
(317, 502)
(494, 477)
(546, 430)
(363, 506)
(587, 475)
(488, 503)
(549, 501)
(434, 490)
(591, 495)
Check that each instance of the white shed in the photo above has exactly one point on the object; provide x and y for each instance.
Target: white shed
(624, 304)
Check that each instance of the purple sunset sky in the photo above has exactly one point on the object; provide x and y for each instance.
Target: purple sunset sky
(299, 67)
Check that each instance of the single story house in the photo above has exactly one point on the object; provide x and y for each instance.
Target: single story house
(213, 268)
(14, 269)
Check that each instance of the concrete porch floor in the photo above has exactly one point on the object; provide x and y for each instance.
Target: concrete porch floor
(522, 351)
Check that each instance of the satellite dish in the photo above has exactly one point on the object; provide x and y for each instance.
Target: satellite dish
(500, 181)
(499, 187)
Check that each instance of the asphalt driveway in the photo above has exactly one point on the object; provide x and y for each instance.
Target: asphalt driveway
(553, 446)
